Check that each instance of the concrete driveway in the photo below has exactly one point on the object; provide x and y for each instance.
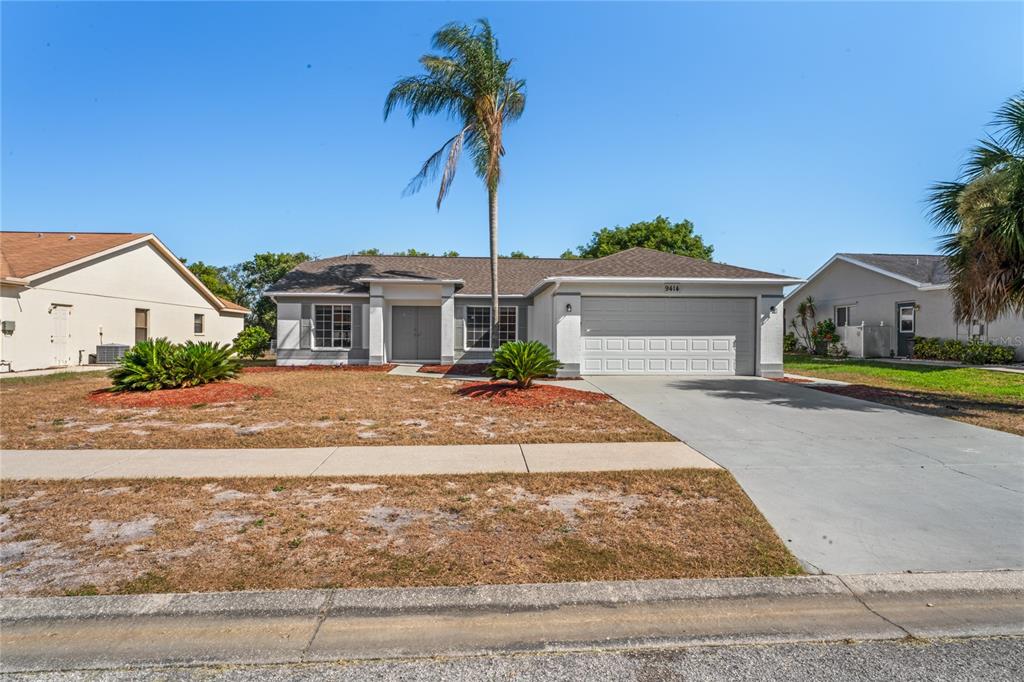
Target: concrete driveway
(851, 486)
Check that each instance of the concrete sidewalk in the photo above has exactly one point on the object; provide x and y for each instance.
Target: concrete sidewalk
(80, 633)
(348, 461)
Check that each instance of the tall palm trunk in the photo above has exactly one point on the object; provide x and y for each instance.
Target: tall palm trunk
(492, 210)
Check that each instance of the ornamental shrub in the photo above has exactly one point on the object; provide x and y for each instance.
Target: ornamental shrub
(823, 334)
(973, 352)
(522, 362)
(838, 349)
(252, 342)
(158, 364)
(790, 343)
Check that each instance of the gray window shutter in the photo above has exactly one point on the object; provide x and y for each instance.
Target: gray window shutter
(306, 327)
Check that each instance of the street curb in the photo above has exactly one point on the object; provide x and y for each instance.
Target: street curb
(503, 598)
(144, 631)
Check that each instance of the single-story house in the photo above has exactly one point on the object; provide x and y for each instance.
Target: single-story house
(633, 312)
(63, 294)
(881, 301)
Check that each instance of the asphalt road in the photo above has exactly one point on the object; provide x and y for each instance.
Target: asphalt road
(950, 660)
(851, 486)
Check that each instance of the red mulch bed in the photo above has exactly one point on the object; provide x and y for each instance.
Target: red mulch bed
(468, 370)
(501, 393)
(306, 368)
(221, 392)
(791, 380)
(474, 370)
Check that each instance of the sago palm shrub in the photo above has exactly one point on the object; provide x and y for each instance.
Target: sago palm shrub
(205, 362)
(158, 364)
(522, 362)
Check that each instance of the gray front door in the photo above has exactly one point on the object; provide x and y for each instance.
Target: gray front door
(906, 322)
(416, 332)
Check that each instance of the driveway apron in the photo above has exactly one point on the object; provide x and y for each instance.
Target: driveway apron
(851, 486)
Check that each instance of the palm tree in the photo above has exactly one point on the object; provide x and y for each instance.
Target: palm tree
(470, 83)
(982, 214)
(805, 312)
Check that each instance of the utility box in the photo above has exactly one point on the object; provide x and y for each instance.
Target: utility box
(7, 327)
(110, 353)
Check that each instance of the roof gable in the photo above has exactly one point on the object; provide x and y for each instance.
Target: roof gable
(27, 255)
(923, 269)
(30, 253)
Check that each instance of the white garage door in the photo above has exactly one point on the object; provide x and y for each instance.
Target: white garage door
(667, 335)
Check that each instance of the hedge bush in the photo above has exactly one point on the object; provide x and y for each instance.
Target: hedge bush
(973, 352)
(159, 364)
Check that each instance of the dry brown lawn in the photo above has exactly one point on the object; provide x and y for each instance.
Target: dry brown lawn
(306, 409)
(90, 537)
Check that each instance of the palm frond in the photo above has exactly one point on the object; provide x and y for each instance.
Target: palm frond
(466, 80)
(1009, 119)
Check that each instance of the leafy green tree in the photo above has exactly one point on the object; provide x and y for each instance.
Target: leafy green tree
(369, 252)
(412, 252)
(255, 275)
(215, 278)
(569, 254)
(469, 83)
(451, 254)
(252, 342)
(660, 234)
(519, 254)
(982, 216)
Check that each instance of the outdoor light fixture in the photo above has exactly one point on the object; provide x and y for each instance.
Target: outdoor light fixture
(568, 307)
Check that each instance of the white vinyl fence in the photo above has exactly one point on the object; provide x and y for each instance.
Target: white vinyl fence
(867, 341)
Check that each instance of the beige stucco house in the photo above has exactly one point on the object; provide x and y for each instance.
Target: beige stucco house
(62, 294)
(634, 312)
(881, 301)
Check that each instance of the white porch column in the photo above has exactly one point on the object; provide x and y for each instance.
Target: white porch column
(376, 329)
(567, 333)
(447, 325)
(769, 336)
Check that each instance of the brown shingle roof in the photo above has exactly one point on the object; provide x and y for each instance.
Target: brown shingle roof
(341, 274)
(23, 254)
(27, 253)
(641, 262)
(516, 276)
(231, 305)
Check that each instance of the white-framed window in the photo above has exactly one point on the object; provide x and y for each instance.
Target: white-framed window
(907, 319)
(843, 315)
(199, 323)
(478, 326)
(332, 326)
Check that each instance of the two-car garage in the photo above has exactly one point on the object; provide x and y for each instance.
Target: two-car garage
(668, 335)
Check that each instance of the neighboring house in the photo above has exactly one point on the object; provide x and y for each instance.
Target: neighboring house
(65, 293)
(881, 301)
(636, 311)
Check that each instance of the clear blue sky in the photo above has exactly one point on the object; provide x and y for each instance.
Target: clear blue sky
(785, 132)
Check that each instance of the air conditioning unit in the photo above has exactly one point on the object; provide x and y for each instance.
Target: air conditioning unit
(110, 353)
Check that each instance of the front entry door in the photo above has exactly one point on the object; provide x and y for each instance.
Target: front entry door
(416, 332)
(906, 321)
(61, 337)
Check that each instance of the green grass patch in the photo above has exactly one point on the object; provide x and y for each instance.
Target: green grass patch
(968, 381)
(56, 378)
